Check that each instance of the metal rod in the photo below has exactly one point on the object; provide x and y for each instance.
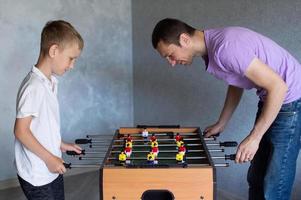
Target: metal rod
(221, 165)
(97, 136)
(159, 140)
(160, 145)
(85, 166)
(173, 151)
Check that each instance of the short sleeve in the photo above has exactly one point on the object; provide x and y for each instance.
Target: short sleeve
(29, 102)
(235, 57)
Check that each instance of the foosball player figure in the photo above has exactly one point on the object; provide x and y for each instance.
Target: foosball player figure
(182, 149)
(145, 135)
(128, 149)
(129, 138)
(180, 158)
(179, 143)
(154, 144)
(151, 158)
(178, 137)
(122, 157)
(155, 149)
(128, 144)
(153, 138)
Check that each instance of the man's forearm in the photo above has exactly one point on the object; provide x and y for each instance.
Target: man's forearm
(270, 110)
(232, 100)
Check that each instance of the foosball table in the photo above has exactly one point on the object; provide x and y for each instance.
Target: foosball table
(158, 163)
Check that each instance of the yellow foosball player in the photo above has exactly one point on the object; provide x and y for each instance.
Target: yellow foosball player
(154, 144)
(122, 156)
(180, 157)
(129, 145)
(179, 143)
(151, 158)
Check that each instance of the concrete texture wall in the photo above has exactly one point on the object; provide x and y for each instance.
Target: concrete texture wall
(188, 96)
(96, 96)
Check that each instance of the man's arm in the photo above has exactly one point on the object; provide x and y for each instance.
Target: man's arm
(232, 100)
(24, 135)
(264, 77)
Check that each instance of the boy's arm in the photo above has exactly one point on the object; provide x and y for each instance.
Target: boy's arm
(232, 100)
(70, 147)
(24, 135)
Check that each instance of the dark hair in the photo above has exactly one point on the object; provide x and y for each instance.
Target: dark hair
(61, 33)
(169, 30)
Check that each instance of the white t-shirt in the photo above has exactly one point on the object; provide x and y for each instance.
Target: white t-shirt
(37, 97)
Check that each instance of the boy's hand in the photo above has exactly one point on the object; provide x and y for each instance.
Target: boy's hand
(70, 147)
(55, 165)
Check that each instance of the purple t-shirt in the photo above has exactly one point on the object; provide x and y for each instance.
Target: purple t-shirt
(231, 50)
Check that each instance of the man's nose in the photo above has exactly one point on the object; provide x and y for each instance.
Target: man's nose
(171, 62)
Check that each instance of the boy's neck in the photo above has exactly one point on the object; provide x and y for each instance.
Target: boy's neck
(44, 66)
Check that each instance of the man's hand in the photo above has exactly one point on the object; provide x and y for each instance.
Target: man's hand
(55, 164)
(213, 129)
(247, 149)
(70, 147)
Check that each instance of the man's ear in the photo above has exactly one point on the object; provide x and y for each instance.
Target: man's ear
(53, 50)
(184, 39)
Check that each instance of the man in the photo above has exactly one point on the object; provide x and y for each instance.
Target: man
(245, 59)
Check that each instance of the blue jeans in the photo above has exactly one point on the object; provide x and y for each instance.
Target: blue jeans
(51, 191)
(272, 171)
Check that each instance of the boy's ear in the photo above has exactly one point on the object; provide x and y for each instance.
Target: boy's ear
(184, 39)
(53, 50)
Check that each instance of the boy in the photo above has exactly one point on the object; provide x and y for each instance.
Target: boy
(38, 143)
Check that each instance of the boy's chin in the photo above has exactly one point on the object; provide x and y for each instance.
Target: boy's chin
(61, 73)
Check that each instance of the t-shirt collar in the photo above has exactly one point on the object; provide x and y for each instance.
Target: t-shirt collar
(42, 76)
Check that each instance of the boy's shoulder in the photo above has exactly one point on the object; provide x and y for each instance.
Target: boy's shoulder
(32, 83)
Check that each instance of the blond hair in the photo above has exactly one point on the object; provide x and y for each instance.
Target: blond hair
(61, 33)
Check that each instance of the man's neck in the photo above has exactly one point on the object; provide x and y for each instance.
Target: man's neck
(199, 43)
(44, 66)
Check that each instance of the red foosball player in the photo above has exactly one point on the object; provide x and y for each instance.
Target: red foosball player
(182, 149)
(151, 159)
(122, 157)
(180, 158)
(128, 149)
(155, 149)
(153, 138)
(178, 137)
(129, 138)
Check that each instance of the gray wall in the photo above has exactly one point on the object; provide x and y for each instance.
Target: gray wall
(95, 97)
(187, 95)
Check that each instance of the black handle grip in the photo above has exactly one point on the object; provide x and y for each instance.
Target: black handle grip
(67, 165)
(73, 153)
(230, 157)
(228, 144)
(83, 141)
